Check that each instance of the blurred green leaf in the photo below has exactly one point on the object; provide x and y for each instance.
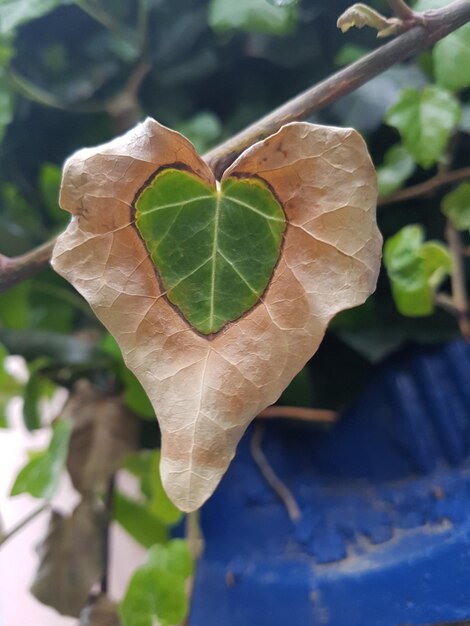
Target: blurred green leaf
(415, 269)
(456, 206)
(49, 184)
(14, 13)
(36, 388)
(157, 589)
(452, 60)
(40, 477)
(299, 391)
(145, 465)
(203, 129)
(9, 387)
(397, 167)
(425, 120)
(15, 312)
(252, 16)
(349, 53)
(138, 520)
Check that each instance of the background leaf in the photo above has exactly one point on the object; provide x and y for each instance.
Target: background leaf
(256, 16)
(40, 477)
(398, 165)
(157, 589)
(425, 120)
(456, 206)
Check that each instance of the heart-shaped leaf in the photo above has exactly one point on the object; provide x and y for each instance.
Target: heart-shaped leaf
(300, 244)
(214, 249)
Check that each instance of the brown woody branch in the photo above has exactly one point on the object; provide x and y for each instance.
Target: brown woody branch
(426, 188)
(436, 25)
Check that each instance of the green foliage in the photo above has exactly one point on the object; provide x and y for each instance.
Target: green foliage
(452, 60)
(456, 206)
(40, 476)
(416, 269)
(215, 269)
(138, 520)
(145, 465)
(36, 388)
(252, 16)
(203, 129)
(425, 120)
(9, 387)
(398, 165)
(157, 589)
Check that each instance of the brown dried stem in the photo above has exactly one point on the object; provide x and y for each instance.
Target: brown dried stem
(270, 476)
(319, 416)
(429, 186)
(438, 24)
(458, 283)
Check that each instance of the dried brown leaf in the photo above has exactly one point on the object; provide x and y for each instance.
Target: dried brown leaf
(70, 559)
(104, 431)
(206, 390)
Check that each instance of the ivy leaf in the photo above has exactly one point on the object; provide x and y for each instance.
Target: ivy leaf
(415, 269)
(40, 477)
(425, 120)
(456, 206)
(217, 298)
(145, 465)
(398, 165)
(138, 520)
(36, 388)
(252, 16)
(157, 589)
(9, 387)
(451, 55)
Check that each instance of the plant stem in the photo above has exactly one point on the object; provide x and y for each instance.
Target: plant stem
(439, 23)
(320, 416)
(24, 522)
(401, 9)
(459, 289)
(270, 476)
(430, 185)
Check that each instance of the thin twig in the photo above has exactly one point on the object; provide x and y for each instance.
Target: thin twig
(402, 10)
(109, 500)
(439, 23)
(459, 288)
(426, 188)
(195, 541)
(24, 522)
(269, 475)
(322, 416)
(16, 269)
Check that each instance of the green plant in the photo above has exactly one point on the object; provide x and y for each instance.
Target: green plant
(135, 57)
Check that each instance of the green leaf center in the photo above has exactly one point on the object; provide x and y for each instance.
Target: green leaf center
(214, 249)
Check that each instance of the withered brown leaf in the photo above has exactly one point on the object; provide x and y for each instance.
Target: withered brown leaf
(206, 389)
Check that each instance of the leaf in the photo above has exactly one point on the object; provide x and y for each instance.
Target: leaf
(40, 477)
(14, 13)
(102, 612)
(360, 15)
(252, 16)
(209, 271)
(415, 269)
(145, 465)
(9, 387)
(157, 589)
(138, 520)
(398, 165)
(49, 185)
(425, 120)
(36, 388)
(203, 129)
(70, 559)
(206, 389)
(103, 433)
(451, 55)
(456, 206)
